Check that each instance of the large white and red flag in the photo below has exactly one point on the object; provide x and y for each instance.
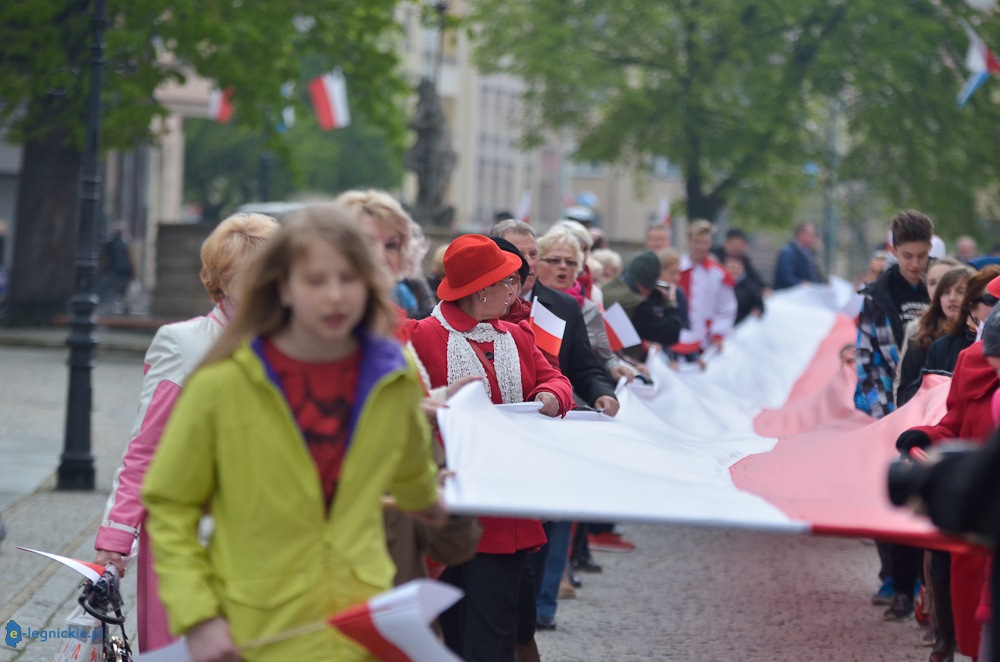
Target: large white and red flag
(329, 99)
(766, 437)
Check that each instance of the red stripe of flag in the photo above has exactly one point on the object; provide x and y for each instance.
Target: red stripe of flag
(358, 623)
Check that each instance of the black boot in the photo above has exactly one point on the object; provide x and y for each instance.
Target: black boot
(944, 634)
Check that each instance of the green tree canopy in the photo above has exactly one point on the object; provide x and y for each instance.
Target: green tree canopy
(251, 47)
(738, 94)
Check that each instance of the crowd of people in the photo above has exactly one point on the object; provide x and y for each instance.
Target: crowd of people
(285, 460)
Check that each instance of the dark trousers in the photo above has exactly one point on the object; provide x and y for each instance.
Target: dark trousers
(580, 549)
(526, 596)
(907, 562)
(482, 626)
(885, 559)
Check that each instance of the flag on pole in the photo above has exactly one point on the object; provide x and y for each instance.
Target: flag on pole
(329, 98)
(524, 210)
(220, 106)
(548, 328)
(981, 63)
(621, 331)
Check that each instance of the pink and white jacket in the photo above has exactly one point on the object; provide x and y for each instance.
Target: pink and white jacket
(175, 352)
(711, 303)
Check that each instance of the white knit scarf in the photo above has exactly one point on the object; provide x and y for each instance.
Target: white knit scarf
(464, 362)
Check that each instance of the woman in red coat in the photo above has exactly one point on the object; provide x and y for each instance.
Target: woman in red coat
(969, 417)
(464, 337)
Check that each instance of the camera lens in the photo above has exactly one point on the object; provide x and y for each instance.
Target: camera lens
(905, 480)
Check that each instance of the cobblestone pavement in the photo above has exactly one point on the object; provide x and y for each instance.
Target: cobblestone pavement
(685, 594)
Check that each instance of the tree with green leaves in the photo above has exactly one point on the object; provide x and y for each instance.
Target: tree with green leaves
(251, 47)
(739, 95)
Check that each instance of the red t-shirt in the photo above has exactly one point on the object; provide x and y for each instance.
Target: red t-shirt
(321, 396)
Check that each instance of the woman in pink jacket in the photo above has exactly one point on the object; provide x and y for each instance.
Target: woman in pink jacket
(172, 356)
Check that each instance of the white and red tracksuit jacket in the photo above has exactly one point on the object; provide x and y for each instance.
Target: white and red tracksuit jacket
(711, 304)
(175, 352)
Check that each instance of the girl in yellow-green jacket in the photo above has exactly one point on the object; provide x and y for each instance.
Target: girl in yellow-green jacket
(303, 415)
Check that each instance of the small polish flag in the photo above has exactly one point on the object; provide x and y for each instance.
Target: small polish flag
(329, 98)
(220, 106)
(548, 328)
(91, 571)
(395, 626)
(663, 213)
(524, 211)
(621, 332)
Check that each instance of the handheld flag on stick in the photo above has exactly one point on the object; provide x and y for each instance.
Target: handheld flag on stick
(91, 571)
(524, 210)
(394, 626)
(981, 63)
(548, 328)
(663, 213)
(329, 98)
(621, 331)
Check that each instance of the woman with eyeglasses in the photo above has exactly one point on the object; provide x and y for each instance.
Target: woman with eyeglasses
(464, 336)
(560, 264)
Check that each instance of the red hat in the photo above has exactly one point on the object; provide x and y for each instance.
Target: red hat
(471, 263)
(993, 287)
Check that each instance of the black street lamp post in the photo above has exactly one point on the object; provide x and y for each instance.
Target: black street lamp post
(76, 468)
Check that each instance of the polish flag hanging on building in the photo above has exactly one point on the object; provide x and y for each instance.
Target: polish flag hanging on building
(220, 106)
(524, 210)
(329, 98)
(621, 332)
(548, 328)
(981, 63)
